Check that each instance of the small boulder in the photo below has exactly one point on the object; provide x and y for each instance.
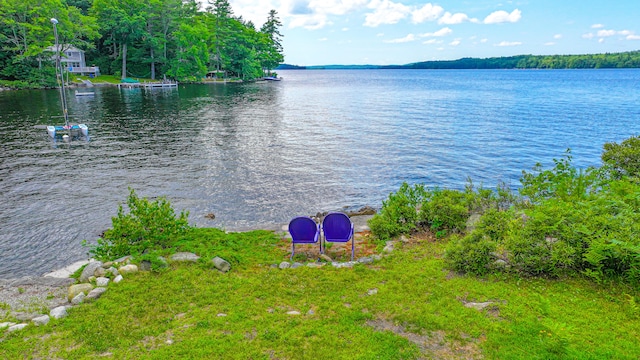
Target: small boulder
(6, 325)
(58, 312)
(185, 256)
(16, 327)
(221, 264)
(296, 265)
(100, 272)
(89, 270)
(117, 279)
(76, 289)
(365, 260)
(128, 269)
(478, 306)
(96, 293)
(284, 265)
(41, 320)
(472, 222)
(389, 247)
(102, 282)
(78, 299)
(326, 258)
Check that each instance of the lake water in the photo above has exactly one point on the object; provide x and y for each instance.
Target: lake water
(256, 155)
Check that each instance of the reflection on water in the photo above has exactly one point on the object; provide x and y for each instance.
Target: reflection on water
(259, 154)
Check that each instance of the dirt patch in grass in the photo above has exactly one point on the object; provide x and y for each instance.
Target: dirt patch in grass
(433, 345)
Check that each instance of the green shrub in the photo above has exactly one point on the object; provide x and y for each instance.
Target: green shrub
(398, 214)
(564, 181)
(445, 211)
(471, 254)
(149, 225)
(623, 159)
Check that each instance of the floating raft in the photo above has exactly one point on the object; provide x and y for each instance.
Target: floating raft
(53, 129)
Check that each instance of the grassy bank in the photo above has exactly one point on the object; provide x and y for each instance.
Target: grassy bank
(405, 306)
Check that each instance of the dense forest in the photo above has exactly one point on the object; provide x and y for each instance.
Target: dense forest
(596, 61)
(137, 38)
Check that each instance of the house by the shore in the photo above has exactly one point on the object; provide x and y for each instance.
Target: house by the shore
(73, 60)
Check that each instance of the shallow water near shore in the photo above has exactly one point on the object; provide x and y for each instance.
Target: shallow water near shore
(258, 154)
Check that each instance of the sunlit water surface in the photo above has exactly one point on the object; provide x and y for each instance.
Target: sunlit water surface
(258, 154)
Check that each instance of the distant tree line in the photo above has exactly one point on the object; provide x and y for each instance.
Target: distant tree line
(137, 38)
(597, 61)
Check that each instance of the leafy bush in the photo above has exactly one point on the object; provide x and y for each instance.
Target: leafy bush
(399, 214)
(564, 181)
(149, 225)
(567, 221)
(623, 159)
(445, 211)
(471, 254)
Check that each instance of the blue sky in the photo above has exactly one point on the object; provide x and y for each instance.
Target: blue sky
(382, 32)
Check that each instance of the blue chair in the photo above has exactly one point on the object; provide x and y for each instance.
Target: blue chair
(337, 227)
(304, 230)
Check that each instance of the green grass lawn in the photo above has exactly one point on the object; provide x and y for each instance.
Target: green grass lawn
(405, 306)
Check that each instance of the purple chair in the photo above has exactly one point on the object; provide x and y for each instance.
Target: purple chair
(304, 230)
(337, 227)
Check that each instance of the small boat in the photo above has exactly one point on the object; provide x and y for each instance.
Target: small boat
(70, 129)
(88, 93)
(271, 78)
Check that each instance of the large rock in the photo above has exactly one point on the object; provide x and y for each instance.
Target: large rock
(102, 282)
(76, 289)
(89, 270)
(221, 264)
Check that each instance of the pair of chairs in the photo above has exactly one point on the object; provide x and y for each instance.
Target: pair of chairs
(335, 227)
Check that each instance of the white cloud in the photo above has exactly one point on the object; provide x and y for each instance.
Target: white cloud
(432, 41)
(633, 37)
(457, 18)
(442, 32)
(507, 43)
(597, 26)
(345, 29)
(484, 40)
(625, 32)
(557, 36)
(385, 12)
(309, 22)
(503, 16)
(601, 40)
(455, 42)
(323, 39)
(588, 36)
(335, 7)
(408, 38)
(428, 12)
(606, 33)
(550, 43)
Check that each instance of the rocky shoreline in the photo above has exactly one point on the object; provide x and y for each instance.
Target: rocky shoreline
(28, 298)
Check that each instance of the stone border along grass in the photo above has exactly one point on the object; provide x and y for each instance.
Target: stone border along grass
(97, 272)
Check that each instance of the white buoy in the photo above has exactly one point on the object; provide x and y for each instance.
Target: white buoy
(65, 137)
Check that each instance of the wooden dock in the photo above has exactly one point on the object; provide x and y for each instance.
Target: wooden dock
(148, 85)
